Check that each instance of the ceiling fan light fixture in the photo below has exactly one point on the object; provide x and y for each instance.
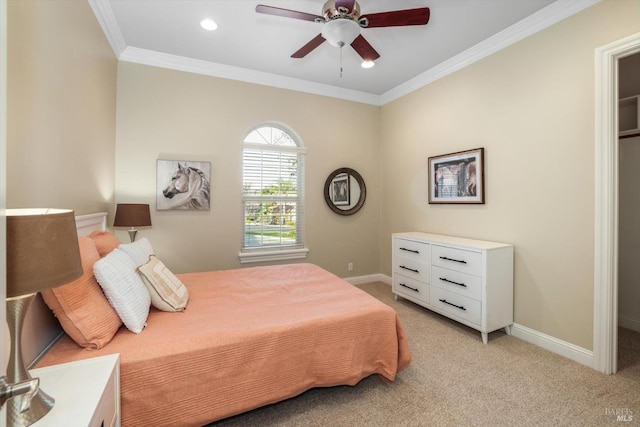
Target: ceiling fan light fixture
(367, 63)
(340, 32)
(209, 24)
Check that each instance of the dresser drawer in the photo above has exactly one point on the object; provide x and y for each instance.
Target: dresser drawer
(412, 268)
(457, 259)
(404, 285)
(412, 250)
(454, 281)
(456, 304)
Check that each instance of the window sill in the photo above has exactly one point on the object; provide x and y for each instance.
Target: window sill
(275, 255)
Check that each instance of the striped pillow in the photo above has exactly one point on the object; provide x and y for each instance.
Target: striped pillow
(167, 292)
(105, 242)
(80, 306)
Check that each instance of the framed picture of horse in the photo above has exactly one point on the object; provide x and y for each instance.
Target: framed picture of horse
(457, 177)
(182, 184)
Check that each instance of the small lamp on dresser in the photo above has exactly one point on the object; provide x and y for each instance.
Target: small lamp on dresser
(42, 253)
(132, 215)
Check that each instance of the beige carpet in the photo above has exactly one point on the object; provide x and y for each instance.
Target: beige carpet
(455, 380)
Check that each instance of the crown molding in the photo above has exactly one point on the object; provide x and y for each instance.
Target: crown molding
(550, 15)
(110, 27)
(180, 63)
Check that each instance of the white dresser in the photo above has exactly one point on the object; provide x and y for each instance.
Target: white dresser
(470, 281)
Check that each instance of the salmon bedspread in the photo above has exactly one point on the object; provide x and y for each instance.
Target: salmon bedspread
(249, 337)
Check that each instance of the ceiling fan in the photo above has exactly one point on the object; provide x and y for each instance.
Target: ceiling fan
(342, 23)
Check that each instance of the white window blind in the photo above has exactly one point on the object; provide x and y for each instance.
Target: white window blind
(272, 190)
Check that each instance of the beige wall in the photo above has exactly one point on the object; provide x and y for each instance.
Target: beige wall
(165, 114)
(4, 333)
(61, 121)
(61, 107)
(531, 106)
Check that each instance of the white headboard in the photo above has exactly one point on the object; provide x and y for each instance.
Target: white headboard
(85, 224)
(41, 328)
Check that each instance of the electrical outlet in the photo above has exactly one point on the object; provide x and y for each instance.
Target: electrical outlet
(350, 266)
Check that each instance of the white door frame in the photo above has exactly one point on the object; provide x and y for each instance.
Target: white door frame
(605, 301)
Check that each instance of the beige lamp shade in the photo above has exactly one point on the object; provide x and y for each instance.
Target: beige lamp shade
(42, 250)
(132, 215)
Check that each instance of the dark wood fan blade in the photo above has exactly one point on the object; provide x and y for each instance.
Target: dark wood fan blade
(397, 18)
(364, 49)
(348, 5)
(277, 11)
(313, 43)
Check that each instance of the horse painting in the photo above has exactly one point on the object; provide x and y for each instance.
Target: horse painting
(456, 179)
(188, 189)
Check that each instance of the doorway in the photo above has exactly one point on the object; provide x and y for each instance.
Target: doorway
(605, 327)
(628, 212)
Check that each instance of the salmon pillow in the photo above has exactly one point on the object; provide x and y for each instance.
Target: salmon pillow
(105, 242)
(80, 306)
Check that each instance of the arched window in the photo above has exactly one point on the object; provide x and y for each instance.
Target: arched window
(272, 194)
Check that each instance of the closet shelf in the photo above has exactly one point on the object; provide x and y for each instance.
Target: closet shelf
(629, 116)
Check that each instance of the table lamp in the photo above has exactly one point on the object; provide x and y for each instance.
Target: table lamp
(132, 215)
(42, 253)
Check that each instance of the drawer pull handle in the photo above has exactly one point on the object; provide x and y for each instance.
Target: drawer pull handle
(452, 282)
(409, 287)
(410, 250)
(454, 260)
(456, 306)
(410, 269)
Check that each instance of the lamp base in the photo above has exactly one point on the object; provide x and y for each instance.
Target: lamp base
(40, 404)
(132, 234)
(25, 409)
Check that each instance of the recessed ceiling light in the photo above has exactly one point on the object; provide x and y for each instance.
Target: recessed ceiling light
(367, 64)
(208, 24)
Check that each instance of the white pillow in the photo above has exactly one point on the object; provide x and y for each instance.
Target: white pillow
(123, 287)
(167, 292)
(139, 251)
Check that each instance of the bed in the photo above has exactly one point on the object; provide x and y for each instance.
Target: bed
(247, 338)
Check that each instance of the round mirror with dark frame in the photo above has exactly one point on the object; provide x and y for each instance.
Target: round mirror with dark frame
(345, 191)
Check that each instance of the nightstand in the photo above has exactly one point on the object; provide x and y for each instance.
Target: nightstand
(87, 392)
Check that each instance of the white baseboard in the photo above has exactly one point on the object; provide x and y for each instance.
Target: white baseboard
(563, 348)
(359, 280)
(554, 345)
(629, 323)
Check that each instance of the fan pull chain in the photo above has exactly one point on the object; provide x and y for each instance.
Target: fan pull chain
(341, 44)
